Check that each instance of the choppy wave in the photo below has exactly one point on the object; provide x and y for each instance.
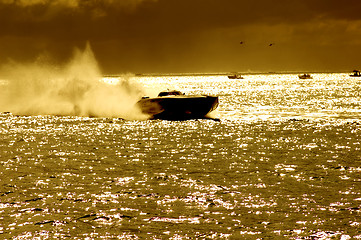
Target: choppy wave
(283, 163)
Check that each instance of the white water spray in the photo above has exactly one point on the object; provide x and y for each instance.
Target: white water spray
(41, 88)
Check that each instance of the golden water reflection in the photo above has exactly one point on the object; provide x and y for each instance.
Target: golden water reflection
(244, 177)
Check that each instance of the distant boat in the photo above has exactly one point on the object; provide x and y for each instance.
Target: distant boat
(356, 73)
(235, 76)
(174, 105)
(305, 76)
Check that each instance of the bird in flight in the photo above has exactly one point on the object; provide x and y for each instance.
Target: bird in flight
(271, 44)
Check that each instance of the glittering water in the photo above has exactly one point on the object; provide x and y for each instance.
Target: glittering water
(284, 162)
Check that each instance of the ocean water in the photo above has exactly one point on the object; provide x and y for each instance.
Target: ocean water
(283, 162)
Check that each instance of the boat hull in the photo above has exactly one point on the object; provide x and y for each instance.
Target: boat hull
(235, 77)
(178, 107)
(305, 76)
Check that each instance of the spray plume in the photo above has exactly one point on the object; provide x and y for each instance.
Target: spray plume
(75, 88)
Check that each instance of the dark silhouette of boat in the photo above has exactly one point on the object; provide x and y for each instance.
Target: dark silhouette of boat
(174, 105)
(356, 73)
(305, 76)
(235, 76)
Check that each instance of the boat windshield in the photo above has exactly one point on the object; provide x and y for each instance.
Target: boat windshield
(169, 93)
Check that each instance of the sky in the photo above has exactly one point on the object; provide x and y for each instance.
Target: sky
(186, 36)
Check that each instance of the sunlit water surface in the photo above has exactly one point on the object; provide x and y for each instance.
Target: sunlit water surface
(283, 162)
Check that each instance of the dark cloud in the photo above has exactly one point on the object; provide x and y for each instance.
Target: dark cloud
(73, 3)
(146, 34)
(93, 18)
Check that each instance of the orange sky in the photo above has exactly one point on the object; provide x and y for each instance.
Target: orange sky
(163, 36)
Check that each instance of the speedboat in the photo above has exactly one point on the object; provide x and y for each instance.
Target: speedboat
(305, 76)
(235, 76)
(356, 73)
(175, 105)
